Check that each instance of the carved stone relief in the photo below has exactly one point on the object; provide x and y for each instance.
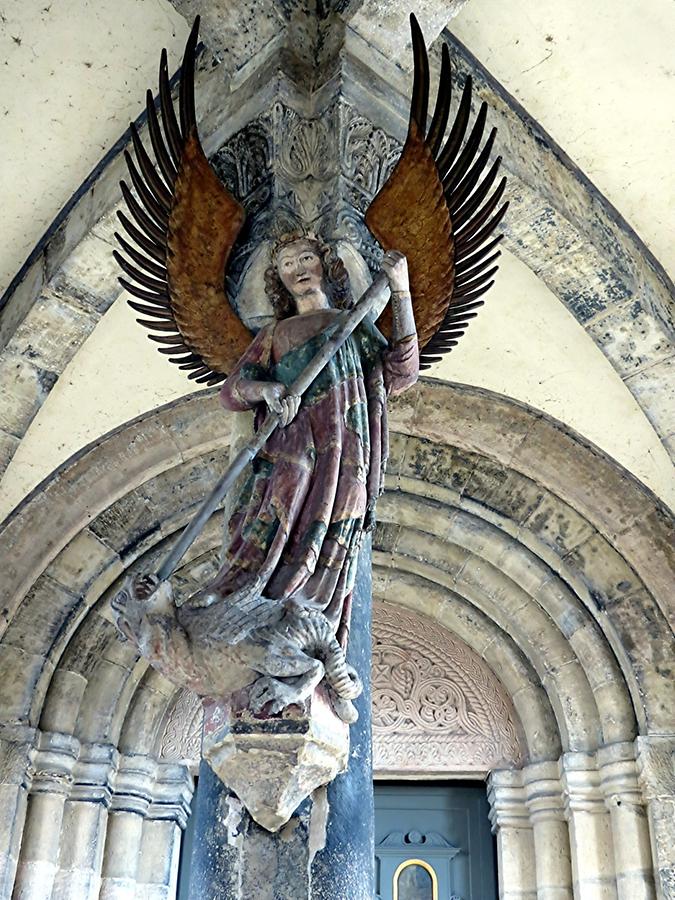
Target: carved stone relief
(288, 169)
(437, 707)
(182, 735)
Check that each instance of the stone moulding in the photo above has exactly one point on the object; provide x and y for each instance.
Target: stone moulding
(273, 764)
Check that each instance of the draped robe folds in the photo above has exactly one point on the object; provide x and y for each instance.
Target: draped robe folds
(296, 528)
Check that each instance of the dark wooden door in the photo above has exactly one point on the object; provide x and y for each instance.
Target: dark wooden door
(433, 842)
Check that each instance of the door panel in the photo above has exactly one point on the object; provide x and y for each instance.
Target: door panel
(433, 842)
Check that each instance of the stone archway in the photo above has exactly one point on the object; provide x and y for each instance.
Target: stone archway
(528, 545)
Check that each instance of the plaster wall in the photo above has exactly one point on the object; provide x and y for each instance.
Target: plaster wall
(75, 73)
(599, 77)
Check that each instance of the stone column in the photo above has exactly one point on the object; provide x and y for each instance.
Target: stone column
(157, 875)
(516, 868)
(326, 850)
(122, 853)
(16, 750)
(656, 766)
(590, 828)
(158, 865)
(630, 828)
(85, 817)
(543, 798)
(52, 780)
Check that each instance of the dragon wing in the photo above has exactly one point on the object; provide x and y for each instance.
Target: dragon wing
(433, 208)
(185, 223)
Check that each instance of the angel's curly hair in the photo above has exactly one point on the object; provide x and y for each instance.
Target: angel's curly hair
(335, 273)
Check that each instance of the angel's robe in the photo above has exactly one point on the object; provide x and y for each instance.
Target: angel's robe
(296, 528)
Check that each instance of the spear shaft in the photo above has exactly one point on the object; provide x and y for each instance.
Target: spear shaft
(370, 299)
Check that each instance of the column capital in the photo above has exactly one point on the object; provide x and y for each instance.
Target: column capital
(506, 796)
(93, 773)
(172, 794)
(133, 784)
(17, 748)
(619, 775)
(543, 791)
(53, 763)
(581, 783)
(655, 764)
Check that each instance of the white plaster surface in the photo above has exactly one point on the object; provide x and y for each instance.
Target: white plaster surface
(74, 73)
(523, 344)
(600, 78)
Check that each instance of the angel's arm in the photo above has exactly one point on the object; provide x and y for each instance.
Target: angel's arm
(251, 383)
(401, 359)
(243, 389)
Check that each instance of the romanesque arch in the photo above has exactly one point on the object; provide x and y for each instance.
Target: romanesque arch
(527, 545)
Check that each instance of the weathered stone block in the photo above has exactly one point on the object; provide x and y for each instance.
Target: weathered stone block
(52, 332)
(8, 447)
(89, 276)
(630, 336)
(273, 764)
(24, 678)
(81, 561)
(654, 390)
(25, 388)
(41, 616)
(557, 524)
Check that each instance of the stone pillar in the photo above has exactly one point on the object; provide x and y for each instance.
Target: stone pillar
(158, 865)
(590, 828)
(16, 750)
(656, 766)
(515, 841)
(326, 850)
(52, 780)
(157, 874)
(85, 817)
(543, 798)
(122, 853)
(630, 829)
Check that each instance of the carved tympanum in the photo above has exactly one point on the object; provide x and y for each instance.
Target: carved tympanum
(437, 707)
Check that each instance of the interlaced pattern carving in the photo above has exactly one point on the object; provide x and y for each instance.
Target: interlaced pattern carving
(436, 705)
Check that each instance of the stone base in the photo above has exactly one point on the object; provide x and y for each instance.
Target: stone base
(273, 763)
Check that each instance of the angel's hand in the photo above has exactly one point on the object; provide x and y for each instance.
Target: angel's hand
(395, 267)
(282, 403)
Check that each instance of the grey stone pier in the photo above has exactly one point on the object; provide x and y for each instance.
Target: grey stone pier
(326, 849)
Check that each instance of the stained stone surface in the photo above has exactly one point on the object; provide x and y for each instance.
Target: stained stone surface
(273, 764)
(326, 849)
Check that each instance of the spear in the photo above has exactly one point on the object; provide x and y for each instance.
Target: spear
(371, 298)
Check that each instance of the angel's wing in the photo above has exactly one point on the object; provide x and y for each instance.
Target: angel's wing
(185, 223)
(433, 208)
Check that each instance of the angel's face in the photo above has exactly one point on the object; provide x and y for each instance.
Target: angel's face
(301, 269)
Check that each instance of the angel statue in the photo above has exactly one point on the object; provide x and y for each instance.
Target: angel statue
(274, 621)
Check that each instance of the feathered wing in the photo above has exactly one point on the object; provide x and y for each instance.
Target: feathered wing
(185, 223)
(433, 208)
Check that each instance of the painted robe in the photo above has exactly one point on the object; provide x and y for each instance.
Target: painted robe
(296, 528)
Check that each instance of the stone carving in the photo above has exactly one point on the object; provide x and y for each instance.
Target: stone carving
(436, 705)
(182, 736)
(273, 623)
(289, 170)
(278, 653)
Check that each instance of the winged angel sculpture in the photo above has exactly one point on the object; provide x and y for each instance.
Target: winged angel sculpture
(274, 621)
